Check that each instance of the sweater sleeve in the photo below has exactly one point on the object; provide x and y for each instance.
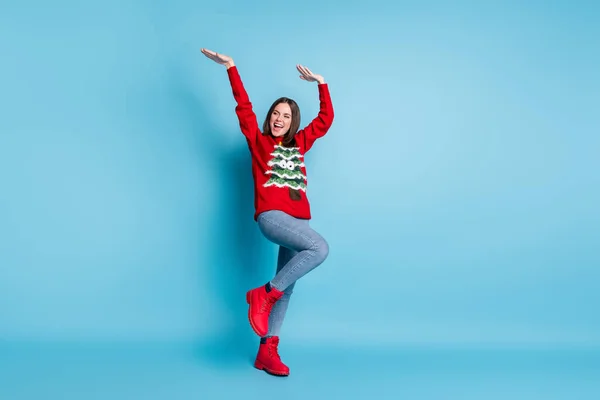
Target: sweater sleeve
(319, 126)
(244, 111)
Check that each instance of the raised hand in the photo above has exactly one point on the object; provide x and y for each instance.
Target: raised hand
(308, 75)
(218, 58)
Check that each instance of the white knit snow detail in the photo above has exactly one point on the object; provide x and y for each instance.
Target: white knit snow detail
(295, 155)
(286, 148)
(287, 184)
(286, 176)
(275, 162)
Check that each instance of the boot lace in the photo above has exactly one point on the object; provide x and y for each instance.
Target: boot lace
(267, 304)
(273, 351)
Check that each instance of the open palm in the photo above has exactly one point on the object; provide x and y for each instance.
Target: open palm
(308, 75)
(218, 58)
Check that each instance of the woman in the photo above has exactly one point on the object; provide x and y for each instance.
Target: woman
(282, 209)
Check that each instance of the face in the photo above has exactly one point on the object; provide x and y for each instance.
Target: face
(281, 118)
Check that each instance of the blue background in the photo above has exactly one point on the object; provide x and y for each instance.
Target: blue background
(458, 187)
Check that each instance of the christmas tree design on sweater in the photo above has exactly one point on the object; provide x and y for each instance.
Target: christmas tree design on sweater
(285, 169)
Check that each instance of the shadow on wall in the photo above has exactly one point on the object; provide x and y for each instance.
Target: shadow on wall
(234, 256)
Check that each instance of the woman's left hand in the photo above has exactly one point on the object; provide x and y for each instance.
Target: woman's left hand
(308, 75)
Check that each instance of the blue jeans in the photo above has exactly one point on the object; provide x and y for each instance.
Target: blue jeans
(301, 250)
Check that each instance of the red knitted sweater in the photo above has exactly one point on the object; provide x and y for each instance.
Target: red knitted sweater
(279, 172)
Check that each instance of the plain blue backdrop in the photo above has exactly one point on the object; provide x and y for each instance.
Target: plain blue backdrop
(458, 187)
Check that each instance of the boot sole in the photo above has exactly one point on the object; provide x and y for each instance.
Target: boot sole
(261, 334)
(261, 367)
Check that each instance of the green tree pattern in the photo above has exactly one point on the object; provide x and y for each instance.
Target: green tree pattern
(285, 169)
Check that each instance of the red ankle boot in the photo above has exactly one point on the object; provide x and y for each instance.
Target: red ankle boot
(268, 358)
(261, 301)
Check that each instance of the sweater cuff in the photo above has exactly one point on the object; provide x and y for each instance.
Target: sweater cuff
(323, 88)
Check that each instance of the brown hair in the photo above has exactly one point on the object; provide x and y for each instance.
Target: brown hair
(288, 138)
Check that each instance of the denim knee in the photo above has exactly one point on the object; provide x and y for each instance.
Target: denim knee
(321, 248)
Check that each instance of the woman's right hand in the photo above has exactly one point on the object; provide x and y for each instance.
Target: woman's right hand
(218, 58)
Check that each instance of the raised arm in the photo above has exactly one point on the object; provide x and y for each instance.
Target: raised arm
(244, 111)
(319, 126)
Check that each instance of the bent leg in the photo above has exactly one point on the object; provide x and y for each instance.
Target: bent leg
(297, 235)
